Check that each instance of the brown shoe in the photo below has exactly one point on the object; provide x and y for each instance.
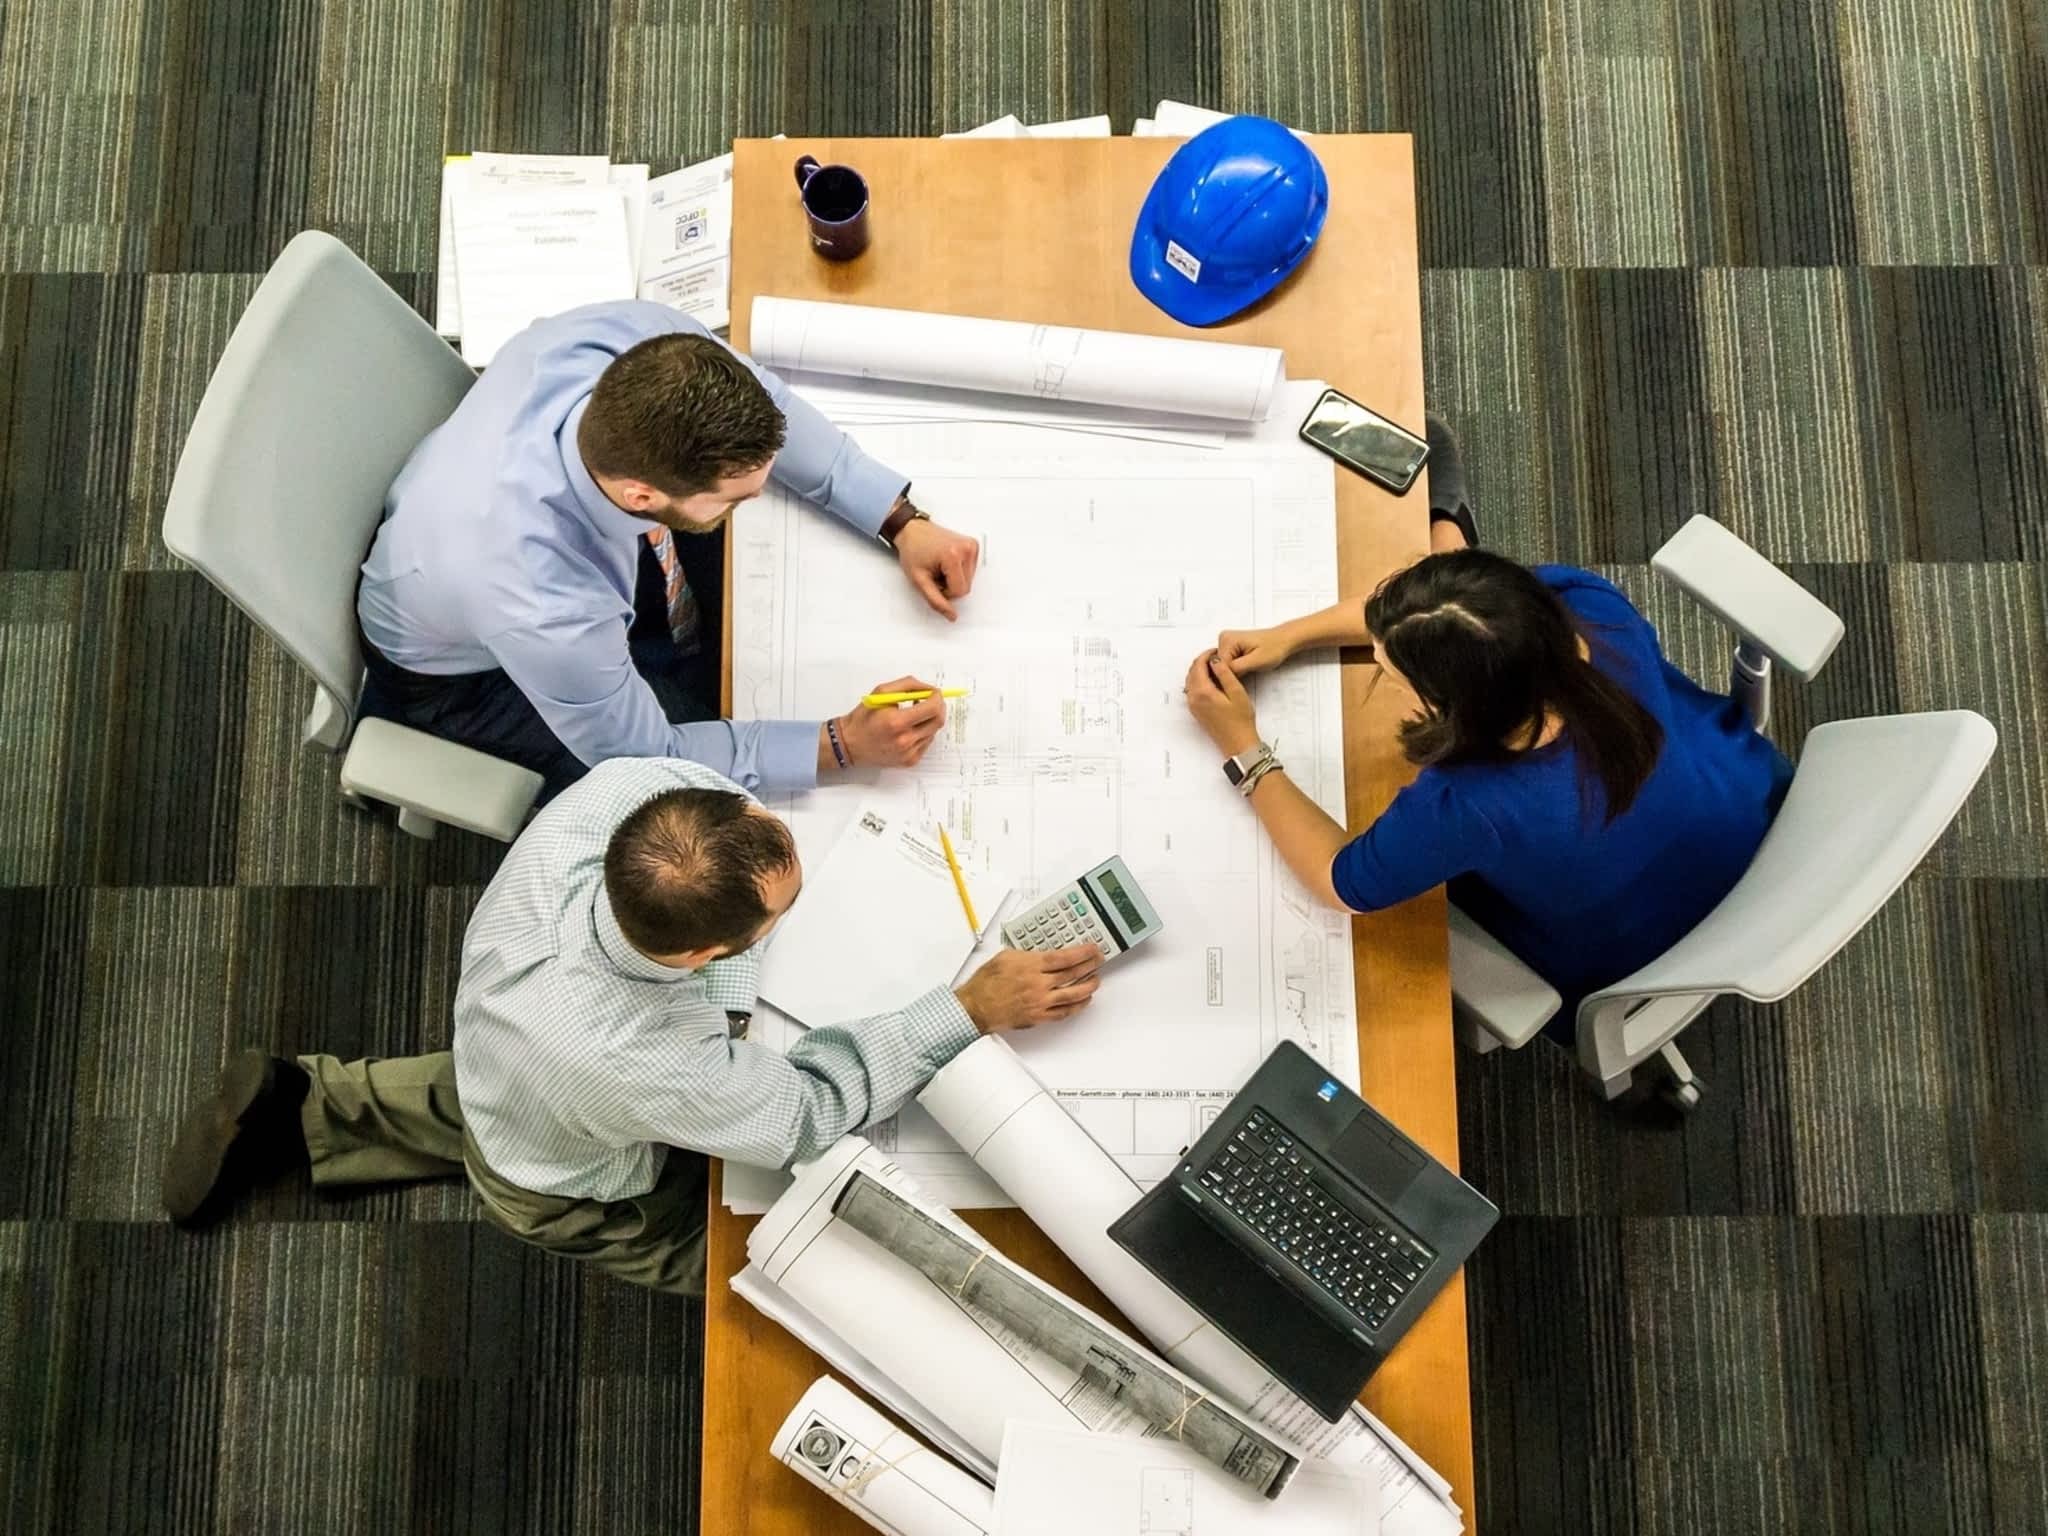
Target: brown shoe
(248, 1132)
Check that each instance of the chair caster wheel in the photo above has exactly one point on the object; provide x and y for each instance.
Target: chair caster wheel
(1683, 1097)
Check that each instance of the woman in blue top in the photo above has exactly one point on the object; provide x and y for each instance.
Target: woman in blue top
(1586, 802)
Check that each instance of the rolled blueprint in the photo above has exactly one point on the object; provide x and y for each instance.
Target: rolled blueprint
(1018, 1133)
(864, 1460)
(1213, 380)
(962, 1370)
(1017, 1301)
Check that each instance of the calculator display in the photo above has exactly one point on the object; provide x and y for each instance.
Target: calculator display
(1125, 907)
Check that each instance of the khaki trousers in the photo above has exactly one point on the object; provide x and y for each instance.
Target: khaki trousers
(397, 1119)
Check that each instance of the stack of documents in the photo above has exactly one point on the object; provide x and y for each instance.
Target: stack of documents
(526, 236)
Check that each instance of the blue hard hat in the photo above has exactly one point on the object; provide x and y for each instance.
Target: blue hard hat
(1232, 213)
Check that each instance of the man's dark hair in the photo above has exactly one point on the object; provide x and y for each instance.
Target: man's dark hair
(684, 871)
(681, 413)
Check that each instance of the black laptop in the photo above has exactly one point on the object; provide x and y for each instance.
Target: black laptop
(1307, 1228)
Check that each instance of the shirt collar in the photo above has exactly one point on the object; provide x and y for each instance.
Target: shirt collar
(619, 950)
(599, 510)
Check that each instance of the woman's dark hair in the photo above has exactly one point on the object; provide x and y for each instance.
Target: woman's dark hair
(684, 871)
(1489, 649)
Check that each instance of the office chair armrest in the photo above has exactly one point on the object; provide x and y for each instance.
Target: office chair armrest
(1493, 989)
(438, 781)
(1753, 597)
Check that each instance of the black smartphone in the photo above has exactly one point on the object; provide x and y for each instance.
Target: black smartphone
(1362, 438)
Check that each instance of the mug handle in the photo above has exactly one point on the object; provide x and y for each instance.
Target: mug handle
(806, 168)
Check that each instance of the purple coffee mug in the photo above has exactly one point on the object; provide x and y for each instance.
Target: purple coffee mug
(835, 200)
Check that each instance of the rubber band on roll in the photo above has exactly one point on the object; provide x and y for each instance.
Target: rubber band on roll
(961, 1289)
(1187, 1406)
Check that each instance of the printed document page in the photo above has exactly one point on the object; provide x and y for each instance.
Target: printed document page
(1067, 1482)
(527, 252)
(459, 173)
(685, 249)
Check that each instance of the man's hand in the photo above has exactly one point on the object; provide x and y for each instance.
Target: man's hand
(1022, 987)
(1246, 651)
(939, 562)
(896, 735)
(1220, 705)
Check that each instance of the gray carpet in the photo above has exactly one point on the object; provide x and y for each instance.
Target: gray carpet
(1783, 262)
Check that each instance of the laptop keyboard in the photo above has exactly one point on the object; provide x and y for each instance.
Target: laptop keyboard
(1263, 1177)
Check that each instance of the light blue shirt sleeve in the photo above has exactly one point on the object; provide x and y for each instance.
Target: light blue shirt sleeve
(578, 672)
(823, 465)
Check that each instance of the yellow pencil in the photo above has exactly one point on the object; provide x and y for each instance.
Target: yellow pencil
(885, 700)
(959, 882)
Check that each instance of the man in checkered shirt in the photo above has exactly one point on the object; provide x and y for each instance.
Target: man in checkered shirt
(599, 1055)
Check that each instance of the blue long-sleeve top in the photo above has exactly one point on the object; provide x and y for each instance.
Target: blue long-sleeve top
(498, 550)
(1582, 901)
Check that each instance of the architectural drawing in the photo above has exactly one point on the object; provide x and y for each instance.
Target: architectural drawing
(1105, 569)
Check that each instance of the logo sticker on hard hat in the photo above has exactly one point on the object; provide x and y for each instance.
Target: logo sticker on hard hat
(1183, 262)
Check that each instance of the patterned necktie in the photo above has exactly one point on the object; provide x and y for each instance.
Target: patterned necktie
(682, 602)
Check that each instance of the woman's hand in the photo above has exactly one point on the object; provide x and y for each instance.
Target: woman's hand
(1245, 651)
(1220, 705)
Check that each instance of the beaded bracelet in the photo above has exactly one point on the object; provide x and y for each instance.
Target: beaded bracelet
(839, 753)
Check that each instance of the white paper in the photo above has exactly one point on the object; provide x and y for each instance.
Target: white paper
(485, 170)
(447, 295)
(528, 252)
(1145, 128)
(1096, 127)
(1005, 127)
(686, 247)
(1180, 120)
(865, 1461)
(1066, 1482)
(1076, 742)
(1216, 381)
(1004, 1119)
(777, 1305)
(878, 923)
(631, 180)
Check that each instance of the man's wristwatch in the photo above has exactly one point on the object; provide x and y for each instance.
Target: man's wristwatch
(901, 517)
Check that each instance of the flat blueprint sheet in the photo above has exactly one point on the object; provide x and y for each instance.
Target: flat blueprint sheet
(1108, 562)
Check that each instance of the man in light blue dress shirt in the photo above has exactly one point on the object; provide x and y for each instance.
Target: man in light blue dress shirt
(545, 583)
(595, 1056)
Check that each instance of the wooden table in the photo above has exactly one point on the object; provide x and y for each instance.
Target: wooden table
(1040, 230)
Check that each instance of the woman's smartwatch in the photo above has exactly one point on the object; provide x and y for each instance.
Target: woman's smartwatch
(1248, 767)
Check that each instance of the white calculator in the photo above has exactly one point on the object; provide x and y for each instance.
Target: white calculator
(1104, 908)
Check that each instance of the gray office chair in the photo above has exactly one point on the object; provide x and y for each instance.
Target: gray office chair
(1867, 801)
(327, 385)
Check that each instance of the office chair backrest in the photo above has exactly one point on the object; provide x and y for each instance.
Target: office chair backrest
(1868, 800)
(327, 385)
